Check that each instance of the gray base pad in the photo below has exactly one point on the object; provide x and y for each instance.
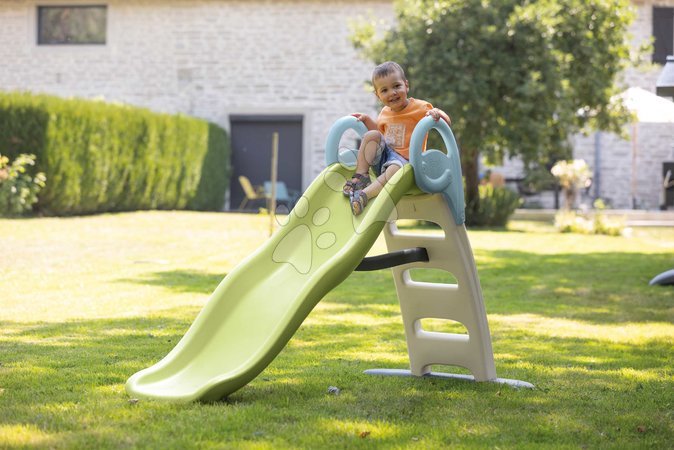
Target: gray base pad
(454, 376)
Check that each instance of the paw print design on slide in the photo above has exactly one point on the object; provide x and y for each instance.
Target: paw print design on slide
(326, 239)
(299, 245)
(296, 248)
(334, 181)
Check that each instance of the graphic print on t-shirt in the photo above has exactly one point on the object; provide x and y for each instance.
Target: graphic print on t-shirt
(395, 135)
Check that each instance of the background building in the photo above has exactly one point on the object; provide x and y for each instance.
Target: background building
(622, 178)
(250, 66)
(255, 67)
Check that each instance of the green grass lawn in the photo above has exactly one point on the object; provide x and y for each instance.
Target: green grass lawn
(86, 302)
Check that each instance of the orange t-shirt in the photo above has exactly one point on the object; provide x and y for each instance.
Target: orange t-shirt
(397, 127)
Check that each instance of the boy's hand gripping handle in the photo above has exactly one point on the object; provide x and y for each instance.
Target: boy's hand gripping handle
(335, 135)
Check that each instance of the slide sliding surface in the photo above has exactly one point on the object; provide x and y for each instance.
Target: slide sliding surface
(257, 308)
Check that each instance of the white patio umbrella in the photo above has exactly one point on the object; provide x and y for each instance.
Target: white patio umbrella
(647, 107)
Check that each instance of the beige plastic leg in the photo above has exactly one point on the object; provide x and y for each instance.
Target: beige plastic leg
(461, 302)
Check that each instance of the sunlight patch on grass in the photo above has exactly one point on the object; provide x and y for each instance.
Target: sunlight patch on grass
(531, 226)
(105, 266)
(507, 357)
(640, 375)
(327, 313)
(283, 379)
(629, 333)
(359, 429)
(490, 259)
(304, 343)
(350, 318)
(604, 376)
(157, 331)
(65, 341)
(56, 409)
(114, 389)
(30, 370)
(443, 326)
(332, 308)
(21, 435)
(578, 290)
(547, 243)
(662, 237)
(475, 429)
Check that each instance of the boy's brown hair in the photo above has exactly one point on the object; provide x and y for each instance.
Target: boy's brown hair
(387, 68)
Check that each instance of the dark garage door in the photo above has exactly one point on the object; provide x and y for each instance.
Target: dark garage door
(251, 152)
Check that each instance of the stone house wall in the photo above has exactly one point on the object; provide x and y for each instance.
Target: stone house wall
(205, 58)
(623, 185)
(217, 58)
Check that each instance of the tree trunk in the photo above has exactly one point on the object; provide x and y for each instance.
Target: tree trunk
(469, 167)
(569, 198)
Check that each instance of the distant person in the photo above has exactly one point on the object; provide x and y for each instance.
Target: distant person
(386, 146)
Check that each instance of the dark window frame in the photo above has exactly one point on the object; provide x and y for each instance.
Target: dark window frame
(662, 33)
(42, 41)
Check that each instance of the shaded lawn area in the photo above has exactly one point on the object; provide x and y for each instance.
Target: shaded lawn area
(86, 302)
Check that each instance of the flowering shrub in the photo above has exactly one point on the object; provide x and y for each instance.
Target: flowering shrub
(18, 189)
(572, 176)
(570, 222)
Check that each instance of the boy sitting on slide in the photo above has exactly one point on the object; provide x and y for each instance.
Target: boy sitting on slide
(386, 146)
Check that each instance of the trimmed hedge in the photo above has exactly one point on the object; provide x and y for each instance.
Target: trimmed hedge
(101, 157)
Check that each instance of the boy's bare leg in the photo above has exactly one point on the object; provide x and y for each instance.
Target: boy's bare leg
(368, 151)
(371, 191)
(366, 154)
(375, 188)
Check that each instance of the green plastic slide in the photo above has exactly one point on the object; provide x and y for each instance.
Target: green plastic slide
(257, 308)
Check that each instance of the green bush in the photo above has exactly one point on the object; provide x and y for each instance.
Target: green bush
(495, 207)
(102, 157)
(18, 189)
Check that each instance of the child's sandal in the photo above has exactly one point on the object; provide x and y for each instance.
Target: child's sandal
(362, 181)
(358, 202)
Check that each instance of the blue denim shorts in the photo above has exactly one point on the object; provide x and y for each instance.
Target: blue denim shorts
(385, 157)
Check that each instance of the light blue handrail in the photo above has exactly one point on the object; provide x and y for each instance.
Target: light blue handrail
(436, 172)
(335, 135)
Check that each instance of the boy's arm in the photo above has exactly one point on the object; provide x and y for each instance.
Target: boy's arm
(438, 114)
(369, 122)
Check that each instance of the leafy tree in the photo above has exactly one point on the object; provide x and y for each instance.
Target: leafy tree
(518, 77)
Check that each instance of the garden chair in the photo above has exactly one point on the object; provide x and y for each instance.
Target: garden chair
(284, 196)
(251, 193)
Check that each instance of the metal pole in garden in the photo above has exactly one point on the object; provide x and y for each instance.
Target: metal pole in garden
(274, 169)
(664, 87)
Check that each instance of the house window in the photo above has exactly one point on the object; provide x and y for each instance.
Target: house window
(663, 34)
(71, 25)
